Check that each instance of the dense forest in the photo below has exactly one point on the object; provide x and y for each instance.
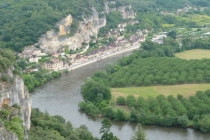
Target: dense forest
(24, 21)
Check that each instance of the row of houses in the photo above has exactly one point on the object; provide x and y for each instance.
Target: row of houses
(124, 43)
(31, 53)
(159, 38)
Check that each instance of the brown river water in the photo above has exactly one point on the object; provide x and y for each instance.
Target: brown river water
(61, 97)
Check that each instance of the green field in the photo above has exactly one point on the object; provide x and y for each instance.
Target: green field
(186, 90)
(200, 19)
(194, 54)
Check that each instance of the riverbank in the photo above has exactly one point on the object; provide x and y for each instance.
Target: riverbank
(100, 57)
(61, 97)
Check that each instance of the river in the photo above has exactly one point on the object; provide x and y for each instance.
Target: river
(61, 97)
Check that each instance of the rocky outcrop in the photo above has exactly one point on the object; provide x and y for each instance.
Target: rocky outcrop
(64, 25)
(16, 93)
(52, 41)
(126, 11)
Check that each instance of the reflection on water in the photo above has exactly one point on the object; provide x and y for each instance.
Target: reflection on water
(61, 97)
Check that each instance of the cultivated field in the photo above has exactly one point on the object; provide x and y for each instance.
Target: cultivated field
(186, 90)
(194, 54)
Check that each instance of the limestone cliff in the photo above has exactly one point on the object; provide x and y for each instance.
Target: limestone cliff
(52, 41)
(5, 135)
(64, 25)
(126, 11)
(15, 93)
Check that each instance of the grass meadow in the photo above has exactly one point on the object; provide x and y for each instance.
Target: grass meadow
(194, 54)
(186, 90)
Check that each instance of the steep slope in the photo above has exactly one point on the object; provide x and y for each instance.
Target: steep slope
(15, 100)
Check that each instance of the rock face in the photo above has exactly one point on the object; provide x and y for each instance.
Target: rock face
(64, 25)
(16, 94)
(126, 11)
(5, 135)
(52, 41)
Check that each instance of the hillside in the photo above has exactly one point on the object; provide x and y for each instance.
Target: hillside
(24, 21)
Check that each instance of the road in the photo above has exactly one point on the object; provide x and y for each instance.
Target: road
(75, 66)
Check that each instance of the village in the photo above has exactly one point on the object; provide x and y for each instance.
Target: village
(62, 60)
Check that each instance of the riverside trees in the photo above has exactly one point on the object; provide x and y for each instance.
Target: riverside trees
(55, 127)
(105, 130)
(153, 64)
(139, 134)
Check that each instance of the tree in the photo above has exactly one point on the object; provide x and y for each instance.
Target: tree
(120, 100)
(94, 91)
(172, 34)
(183, 120)
(139, 134)
(204, 123)
(99, 98)
(83, 133)
(108, 112)
(105, 131)
(131, 101)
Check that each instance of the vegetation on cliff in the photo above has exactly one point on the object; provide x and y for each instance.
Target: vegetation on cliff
(10, 118)
(6, 59)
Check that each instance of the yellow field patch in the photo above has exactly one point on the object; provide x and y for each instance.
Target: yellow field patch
(194, 54)
(168, 25)
(186, 90)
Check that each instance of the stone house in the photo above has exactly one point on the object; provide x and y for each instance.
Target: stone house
(135, 42)
(125, 43)
(55, 54)
(120, 37)
(141, 38)
(34, 58)
(122, 25)
(121, 29)
(37, 52)
(145, 32)
(53, 65)
(28, 49)
(139, 32)
(32, 54)
(113, 33)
